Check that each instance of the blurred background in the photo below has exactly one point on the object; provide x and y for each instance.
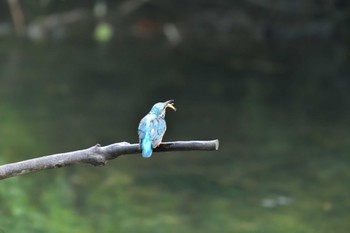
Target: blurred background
(269, 79)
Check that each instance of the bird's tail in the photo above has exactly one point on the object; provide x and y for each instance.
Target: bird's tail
(146, 146)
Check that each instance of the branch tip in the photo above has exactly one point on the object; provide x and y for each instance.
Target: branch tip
(217, 144)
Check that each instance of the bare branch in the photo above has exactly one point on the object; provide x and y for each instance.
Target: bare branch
(97, 156)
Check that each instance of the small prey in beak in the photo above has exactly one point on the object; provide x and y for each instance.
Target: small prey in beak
(170, 104)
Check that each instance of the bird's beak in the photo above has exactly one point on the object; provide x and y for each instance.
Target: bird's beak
(170, 104)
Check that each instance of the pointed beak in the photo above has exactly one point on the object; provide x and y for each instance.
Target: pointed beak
(170, 104)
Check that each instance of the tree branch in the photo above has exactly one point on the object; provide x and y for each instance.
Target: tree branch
(97, 156)
(17, 17)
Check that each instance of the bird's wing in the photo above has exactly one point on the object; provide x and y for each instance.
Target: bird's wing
(142, 128)
(158, 128)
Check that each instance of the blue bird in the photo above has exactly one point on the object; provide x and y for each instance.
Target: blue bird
(152, 127)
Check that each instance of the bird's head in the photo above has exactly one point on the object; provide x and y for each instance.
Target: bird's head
(159, 108)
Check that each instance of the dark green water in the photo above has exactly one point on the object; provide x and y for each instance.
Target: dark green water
(283, 126)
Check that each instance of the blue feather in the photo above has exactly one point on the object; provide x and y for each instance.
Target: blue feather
(152, 128)
(146, 146)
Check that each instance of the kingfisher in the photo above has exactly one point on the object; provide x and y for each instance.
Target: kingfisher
(152, 127)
